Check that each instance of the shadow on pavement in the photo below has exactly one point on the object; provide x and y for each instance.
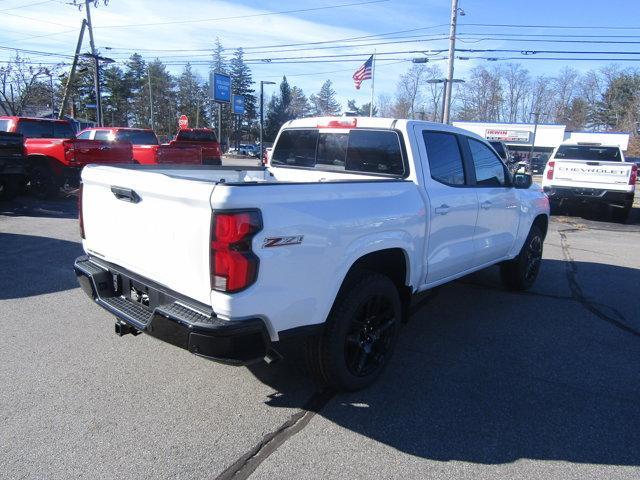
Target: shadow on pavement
(35, 265)
(63, 206)
(488, 376)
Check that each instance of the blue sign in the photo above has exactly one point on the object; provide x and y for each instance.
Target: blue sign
(238, 104)
(221, 85)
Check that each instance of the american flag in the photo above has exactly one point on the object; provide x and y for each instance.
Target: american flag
(363, 73)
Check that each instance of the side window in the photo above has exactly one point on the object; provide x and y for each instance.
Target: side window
(86, 135)
(296, 148)
(332, 150)
(102, 135)
(35, 129)
(375, 151)
(445, 159)
(489, 169)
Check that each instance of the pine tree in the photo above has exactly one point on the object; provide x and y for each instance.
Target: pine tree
(219, 65)
(278, 111)
(136, 78)
(325, 103)
(241, 83)
(188, 95)
(163, 93)
(117, 96)
(299, 107)
(362, 111)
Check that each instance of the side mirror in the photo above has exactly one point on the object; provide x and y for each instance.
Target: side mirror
(522, 180)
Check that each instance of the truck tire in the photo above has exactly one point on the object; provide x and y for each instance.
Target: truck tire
(521, 272)
(42, 182)
(360, 333)
(9, 186)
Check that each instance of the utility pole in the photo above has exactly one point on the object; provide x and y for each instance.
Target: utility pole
(150, 96)
(452, 52)
(96, 71)
(74, 64)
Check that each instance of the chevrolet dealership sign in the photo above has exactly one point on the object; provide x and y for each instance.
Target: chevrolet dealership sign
(511, 136)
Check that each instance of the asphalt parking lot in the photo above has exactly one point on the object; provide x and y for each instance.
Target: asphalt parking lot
(485, 383)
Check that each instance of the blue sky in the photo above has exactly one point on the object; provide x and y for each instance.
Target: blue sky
(51, 26)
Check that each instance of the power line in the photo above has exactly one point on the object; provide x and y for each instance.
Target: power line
(568, 27)
(37, 20)
(27, 5)
(237, 17)
(535, 52)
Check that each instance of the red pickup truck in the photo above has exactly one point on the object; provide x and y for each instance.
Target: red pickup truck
(202, 137)
(55, 156)
(146, 148)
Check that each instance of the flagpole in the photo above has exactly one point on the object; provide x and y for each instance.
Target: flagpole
(373, 79)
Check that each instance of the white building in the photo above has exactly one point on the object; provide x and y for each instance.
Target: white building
(519, 136)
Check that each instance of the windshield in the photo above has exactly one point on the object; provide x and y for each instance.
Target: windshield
(137, 137)
(584, 152)
(371, 151)
(197, 135)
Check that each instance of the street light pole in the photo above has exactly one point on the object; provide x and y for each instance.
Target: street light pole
(262, 84)
(97, 59)
(446, 82)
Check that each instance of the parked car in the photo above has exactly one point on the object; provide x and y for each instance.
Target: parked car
(55, 157)
(328, 243)
(13, 165)
(591, 174)
(538, 163)
(204, 138)
(146, 148)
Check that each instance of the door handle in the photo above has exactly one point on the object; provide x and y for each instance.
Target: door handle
(125, 194)
(486, 205)
(443, 209)
(105, 147)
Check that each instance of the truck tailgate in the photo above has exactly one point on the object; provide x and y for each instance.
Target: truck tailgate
(597, 174)
(163, 234)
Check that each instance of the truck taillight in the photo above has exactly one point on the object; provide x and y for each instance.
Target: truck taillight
(233, 265)
(634, 175)
(348, 123)
(80, 218)
(68, 151)
(550, 166)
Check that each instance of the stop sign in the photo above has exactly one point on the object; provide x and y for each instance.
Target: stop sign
(183, 122)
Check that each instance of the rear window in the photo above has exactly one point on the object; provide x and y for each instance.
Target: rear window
(584, 152)
(4, 125)
(197, 136)
(44, 129)
(137, 137)
(370, 151)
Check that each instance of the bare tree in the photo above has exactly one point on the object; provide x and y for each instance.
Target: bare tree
(564, 86)
(385, 105)
(434, 91)
(482, 96)
(20, 86)
(409, 90)
(516, 85)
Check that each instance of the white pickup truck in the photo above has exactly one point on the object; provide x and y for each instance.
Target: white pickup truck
(591, 174)
(329, 242)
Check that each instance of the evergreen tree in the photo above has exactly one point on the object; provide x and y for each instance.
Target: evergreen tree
(219, 65)
(189, 96)
(299, 107)
(278, 111)
(162, 84)
(325, 103)
(115, 105)
(136, 79)
(362, 111)
(241, 83)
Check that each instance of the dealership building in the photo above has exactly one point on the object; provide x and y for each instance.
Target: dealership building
(519, 136)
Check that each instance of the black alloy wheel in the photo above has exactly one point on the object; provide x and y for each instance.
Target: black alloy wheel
(370, 336)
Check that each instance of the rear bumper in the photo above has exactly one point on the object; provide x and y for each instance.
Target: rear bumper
(589, 195)
(172, 320)
(13, 166)
(211, 161)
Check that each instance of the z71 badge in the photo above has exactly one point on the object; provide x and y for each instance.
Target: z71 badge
(282, 241)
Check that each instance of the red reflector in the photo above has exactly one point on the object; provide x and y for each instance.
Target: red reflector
(233, 266)
(80, 218)
(351, 123)
(551, 164)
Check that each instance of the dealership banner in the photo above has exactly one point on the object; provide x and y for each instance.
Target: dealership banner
(512, 136)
